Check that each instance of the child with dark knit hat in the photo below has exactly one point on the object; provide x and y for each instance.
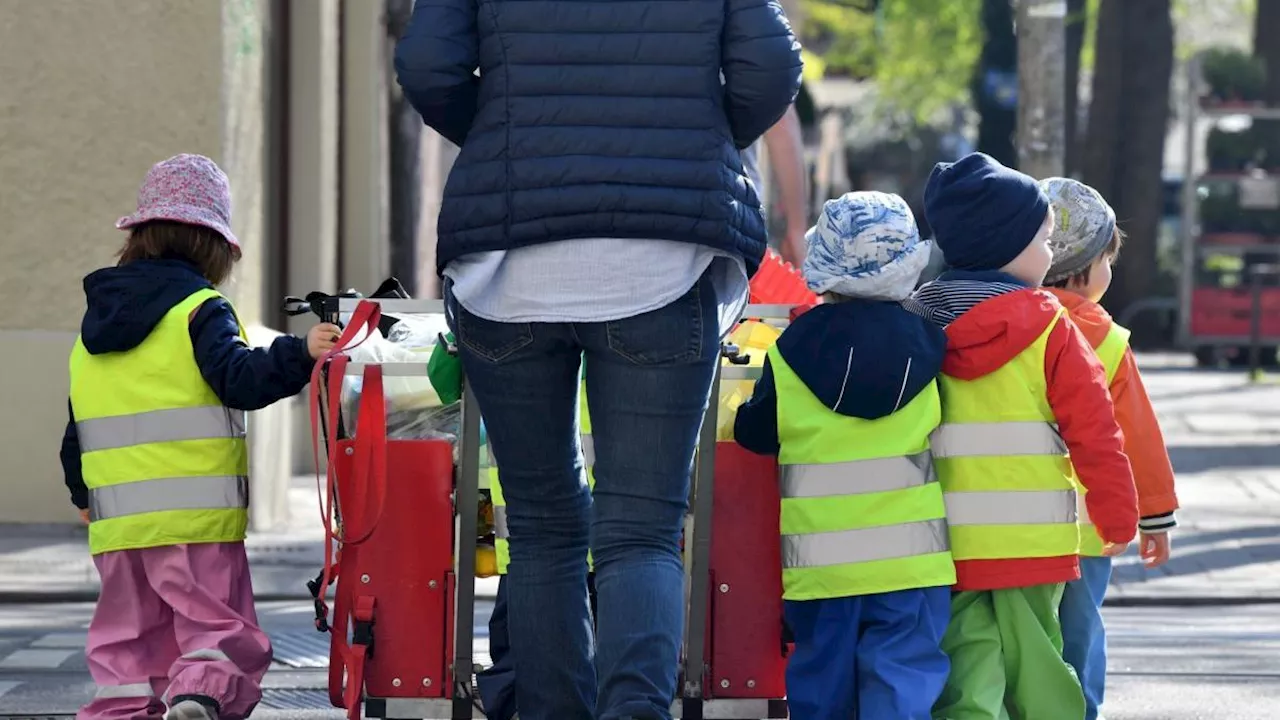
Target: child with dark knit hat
(1085, 242)
(1025, 416)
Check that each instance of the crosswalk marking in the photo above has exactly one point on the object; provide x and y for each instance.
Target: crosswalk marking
(7, 685)
(61, 640)
(39, 658)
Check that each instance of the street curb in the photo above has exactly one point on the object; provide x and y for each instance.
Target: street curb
(1190, 601)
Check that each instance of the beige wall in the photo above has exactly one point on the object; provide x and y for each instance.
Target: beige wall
(93, 94)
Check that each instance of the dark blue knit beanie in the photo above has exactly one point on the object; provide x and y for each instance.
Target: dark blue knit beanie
(983, 214)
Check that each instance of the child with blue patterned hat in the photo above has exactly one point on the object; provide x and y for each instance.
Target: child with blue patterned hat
(847, 402)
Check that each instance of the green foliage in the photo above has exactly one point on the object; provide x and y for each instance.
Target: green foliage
(843, 36)
(921, 53)
(928, 51)
(1234, 74)
(1202, 24)
(1232, 151)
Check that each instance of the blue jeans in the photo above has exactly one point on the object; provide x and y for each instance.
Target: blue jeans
(648, 378)
(868, 657)
(497, 682)
(1084, 637)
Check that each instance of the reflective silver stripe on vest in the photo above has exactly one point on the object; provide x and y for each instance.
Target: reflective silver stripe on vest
(1011, 507)
(996, 439)
(157, 426)
(857, 476)
(864, 544)
(1082, 510)
(132, 690)
(500, 530)
(188, 493)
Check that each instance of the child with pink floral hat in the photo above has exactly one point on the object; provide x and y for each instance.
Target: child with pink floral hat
(154, 456)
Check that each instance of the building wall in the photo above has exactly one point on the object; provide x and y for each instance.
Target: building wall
(94, 94)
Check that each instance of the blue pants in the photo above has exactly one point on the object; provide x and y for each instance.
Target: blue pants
(648, 378)
(497, 683)
(1084, 637)
(874, 657)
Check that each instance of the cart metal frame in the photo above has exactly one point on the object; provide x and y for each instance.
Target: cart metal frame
(694, 702)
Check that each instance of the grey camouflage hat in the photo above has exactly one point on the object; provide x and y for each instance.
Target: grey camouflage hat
(1083, 226)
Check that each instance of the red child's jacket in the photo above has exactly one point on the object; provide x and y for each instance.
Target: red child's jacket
(985, 339)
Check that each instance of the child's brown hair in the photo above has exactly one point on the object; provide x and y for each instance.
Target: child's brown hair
(212, 255)
(1111, 251)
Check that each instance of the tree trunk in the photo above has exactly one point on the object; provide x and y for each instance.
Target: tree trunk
(404, 148)
(1041, 87)
(996, 72)
(1077, 23)
(1128, 118)
(1266, 33)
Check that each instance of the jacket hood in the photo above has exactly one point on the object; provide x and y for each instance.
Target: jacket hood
(863, 359)
(1094, 321)
(994, 331)
(125, 303)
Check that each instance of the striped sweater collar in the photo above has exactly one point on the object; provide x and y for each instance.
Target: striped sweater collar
(956, 292)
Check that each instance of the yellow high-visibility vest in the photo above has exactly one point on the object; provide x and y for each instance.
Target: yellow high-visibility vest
(1006, 476)
(862, 512)
(164, 461)
(1111, 352)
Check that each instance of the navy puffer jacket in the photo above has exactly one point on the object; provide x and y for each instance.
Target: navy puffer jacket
(599, 118)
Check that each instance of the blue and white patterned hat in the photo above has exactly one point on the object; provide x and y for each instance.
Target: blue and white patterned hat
(865, 245)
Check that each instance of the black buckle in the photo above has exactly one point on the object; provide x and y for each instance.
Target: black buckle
(362, 634)
(322, 610)
(322, 616)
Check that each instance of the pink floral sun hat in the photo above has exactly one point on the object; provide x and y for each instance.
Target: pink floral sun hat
(188, 189)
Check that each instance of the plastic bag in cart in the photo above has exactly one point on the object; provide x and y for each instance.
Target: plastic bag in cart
(414, 409)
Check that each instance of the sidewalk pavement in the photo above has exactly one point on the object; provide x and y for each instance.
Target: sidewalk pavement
(1223, 435)
(1224, 439)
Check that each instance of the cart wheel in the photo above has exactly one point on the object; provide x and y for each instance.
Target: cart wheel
(1206, 356)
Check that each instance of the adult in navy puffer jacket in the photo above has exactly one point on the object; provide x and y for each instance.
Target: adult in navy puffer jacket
(598, 213)
(598, 118)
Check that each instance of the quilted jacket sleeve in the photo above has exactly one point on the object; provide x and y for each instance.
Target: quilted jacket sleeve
(761, 65)
(436, 62)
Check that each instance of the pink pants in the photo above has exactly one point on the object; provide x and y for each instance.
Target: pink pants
(175, 621)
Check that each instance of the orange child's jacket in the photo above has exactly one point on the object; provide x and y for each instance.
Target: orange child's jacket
(1143, 441)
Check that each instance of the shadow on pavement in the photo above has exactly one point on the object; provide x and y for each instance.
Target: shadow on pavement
(1206, 458)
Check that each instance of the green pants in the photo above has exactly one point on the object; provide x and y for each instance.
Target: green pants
(1006, 658)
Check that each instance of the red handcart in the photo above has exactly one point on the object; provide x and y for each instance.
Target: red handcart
(402, 516)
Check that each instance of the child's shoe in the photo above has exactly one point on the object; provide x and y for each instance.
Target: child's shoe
(192, 707)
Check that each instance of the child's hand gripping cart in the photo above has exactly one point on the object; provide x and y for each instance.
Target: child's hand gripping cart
(402, 539)
(732, 551)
